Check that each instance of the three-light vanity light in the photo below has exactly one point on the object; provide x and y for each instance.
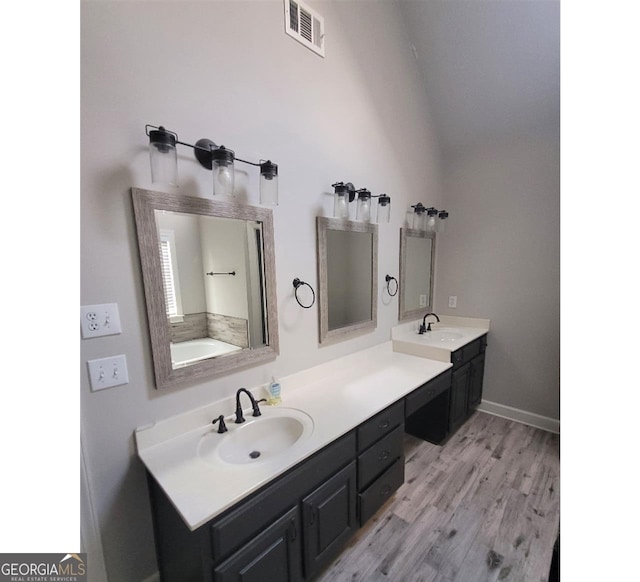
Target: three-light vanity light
(345, 193)
(427, 219)
(219, 159)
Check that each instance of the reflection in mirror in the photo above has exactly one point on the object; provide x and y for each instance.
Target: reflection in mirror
(209, 273)
(347, 273)
(417, 256)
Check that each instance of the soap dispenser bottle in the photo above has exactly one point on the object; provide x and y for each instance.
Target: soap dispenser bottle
(274, 390)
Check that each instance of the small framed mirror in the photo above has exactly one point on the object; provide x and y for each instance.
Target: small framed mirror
(209, 279)
(417, 261)
(348, 278)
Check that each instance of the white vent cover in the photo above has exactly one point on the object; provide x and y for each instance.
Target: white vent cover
(305, 25)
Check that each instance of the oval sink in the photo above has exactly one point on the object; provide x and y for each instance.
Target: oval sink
(258, 439)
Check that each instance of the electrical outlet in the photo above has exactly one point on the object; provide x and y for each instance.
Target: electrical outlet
(108, 372)
(99, 320)
(423, 300)
(453, 301)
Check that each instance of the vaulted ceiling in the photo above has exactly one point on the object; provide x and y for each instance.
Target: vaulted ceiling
(491, 67)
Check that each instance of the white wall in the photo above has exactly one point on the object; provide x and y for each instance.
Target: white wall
(188, 249)
(224, 244)
(501, 257)
(227, 71)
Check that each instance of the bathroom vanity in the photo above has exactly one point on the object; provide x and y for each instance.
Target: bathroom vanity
(288, 514)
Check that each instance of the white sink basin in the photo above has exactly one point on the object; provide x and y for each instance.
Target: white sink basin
(442, 335)
(259, 439)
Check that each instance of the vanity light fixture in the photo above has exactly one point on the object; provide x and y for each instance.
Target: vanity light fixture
(427, 219)
(219, 159)
(345, 193)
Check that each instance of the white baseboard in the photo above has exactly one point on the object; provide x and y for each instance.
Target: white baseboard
(529, 418)
(153, 578)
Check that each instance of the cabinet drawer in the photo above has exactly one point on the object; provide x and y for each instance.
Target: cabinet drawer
(380, 490)
(483, 343)
(250, 517)
(379, 456)
(379, 425)
(418, 398)
(471, 350)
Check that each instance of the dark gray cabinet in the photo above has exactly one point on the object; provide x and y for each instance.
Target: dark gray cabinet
(329, 518)
(380, 459)
(458, 406)
(273, 555)
(441, 406)
(466, 382)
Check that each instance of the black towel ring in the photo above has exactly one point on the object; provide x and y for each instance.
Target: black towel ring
(388, 279)
(296, 285)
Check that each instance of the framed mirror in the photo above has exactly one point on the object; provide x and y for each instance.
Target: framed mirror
(347, 278)
(209, 279)
(417, 261)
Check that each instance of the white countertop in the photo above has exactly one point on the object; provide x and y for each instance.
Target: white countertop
(338, 395)
(406, 340)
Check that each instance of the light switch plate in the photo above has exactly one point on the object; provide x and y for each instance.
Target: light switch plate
(108, 372)
(453, 301)
(423, 300)
(99, 320)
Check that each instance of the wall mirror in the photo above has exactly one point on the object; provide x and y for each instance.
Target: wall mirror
(348, 278)
(209, 280)
(417, 260)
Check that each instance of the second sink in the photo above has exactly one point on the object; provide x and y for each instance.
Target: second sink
(442, 335)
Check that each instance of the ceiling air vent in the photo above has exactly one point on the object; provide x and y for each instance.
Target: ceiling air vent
(305, 25)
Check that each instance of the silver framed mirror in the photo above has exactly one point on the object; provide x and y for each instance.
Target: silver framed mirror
(209, 279)
(417, 263)
(347, 278)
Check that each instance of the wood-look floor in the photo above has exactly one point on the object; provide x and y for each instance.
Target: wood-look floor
(482, 508)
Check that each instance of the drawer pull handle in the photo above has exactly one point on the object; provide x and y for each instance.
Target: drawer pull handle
(384, 423)
(383, 455)
(384, 492)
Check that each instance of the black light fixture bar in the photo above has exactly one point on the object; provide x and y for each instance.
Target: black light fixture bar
(207, 152)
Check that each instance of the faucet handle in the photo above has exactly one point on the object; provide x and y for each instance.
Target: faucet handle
(222, 427)
(256, 408)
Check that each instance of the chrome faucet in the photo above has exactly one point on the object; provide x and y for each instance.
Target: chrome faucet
(254, 403)
(424, 327)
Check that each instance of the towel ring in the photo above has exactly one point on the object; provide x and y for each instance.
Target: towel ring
(388, 279)
(296, 285)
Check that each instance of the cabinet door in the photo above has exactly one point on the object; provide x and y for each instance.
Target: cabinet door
(459, 397)
(329, 519)
(273, 555)
(475, 383)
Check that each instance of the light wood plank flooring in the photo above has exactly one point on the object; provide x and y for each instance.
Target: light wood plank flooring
(483, 508)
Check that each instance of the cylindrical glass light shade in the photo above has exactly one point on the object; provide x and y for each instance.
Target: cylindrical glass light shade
(432, 219)
(162, 153)
(384, 209)
(269, 183)
(363, 209)
(419, 217)
(340, 200)
(442, 216)
(223, 171)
